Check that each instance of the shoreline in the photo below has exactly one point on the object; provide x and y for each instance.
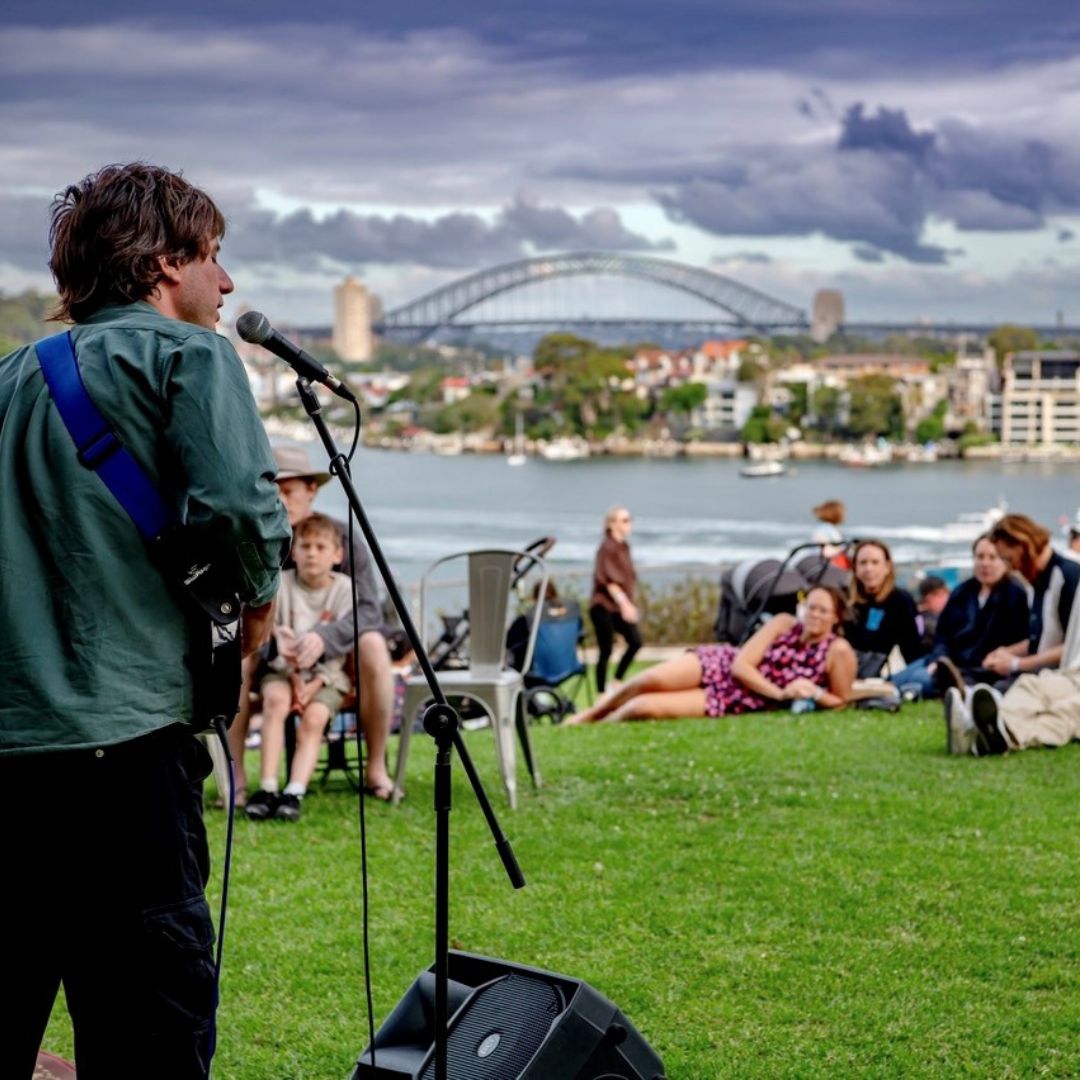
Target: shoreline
(475, 443)
(832, 452)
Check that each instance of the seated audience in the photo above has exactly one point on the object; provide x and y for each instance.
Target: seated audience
(310, 595)
(1025, 546)
(933, 596)
(987, 612)
(1039, 709)
(1072, 538)
(881, 616)
(298, 483)
(784, 662)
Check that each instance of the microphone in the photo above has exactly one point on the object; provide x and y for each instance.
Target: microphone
(254, 327)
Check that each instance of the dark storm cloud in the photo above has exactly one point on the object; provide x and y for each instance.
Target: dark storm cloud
(551, 227)
(641, 35)
(877, 186)
(887, 130)
(451, 241)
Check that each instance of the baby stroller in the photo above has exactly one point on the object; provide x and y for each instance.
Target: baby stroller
(755, 589)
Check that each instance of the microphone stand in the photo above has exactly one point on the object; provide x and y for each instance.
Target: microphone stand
(442, 723)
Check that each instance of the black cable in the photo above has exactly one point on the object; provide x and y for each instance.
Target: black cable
(223, 736)
(365, 921)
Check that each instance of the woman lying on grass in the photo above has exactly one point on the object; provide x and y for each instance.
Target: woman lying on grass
(784, 661)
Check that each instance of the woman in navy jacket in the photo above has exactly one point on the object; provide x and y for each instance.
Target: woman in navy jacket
(984, 613)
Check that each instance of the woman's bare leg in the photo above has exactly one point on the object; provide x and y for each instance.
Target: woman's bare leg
(666, 705)
(681, 673)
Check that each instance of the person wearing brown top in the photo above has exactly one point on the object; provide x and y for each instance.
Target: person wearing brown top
(611, 606)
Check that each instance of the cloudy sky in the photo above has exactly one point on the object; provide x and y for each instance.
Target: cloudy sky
(921, 155)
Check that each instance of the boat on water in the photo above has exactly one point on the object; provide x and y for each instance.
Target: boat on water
(448, 447)
(565, 449)
(967, 527)
(518, 456)
(759, 470)
(867, 456)
(921, 455)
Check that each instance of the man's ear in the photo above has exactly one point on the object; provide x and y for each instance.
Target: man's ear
(169, 265)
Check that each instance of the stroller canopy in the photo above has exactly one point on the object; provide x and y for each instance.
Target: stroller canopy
(754, 589)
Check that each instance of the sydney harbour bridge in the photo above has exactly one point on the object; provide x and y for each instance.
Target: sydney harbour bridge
(483, 301)
(518, 296)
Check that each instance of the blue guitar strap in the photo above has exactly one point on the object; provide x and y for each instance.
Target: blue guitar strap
(96, 443)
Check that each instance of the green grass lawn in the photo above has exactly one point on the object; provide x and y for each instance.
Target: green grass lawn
(816, 895)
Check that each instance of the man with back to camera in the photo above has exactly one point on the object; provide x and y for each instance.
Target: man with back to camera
(96, 745)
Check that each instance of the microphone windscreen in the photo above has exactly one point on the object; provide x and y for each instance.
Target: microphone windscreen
(254, 327)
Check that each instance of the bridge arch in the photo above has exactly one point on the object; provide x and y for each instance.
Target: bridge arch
(749, 308)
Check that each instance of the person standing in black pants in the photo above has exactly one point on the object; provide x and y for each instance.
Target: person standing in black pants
(99, 759)
(611, 606)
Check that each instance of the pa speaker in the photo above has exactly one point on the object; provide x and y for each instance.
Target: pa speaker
(509, 1022)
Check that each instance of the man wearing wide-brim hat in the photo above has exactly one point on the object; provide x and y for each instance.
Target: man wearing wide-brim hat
(298, 482)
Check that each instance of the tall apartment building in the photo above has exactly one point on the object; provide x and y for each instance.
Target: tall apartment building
(1039, 403)
(352, 321)
(828, 314)
(973, 380)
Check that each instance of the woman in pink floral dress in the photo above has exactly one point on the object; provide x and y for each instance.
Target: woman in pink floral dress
(785, 661)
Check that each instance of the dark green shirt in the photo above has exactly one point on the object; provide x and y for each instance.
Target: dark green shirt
(92, 643)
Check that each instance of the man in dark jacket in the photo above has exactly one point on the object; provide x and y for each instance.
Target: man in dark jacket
(97, 748)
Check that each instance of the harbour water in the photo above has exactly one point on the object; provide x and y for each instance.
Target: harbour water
(687, 513)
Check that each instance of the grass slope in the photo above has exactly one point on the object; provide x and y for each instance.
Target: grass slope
(816, 895)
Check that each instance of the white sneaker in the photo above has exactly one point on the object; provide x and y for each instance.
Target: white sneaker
(988, 723)
(959, 727)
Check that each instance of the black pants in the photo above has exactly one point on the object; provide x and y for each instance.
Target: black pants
(607, 624)
(105, 864)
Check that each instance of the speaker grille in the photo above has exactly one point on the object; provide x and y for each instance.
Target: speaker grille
(502, 1027)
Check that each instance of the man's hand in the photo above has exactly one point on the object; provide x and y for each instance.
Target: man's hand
(286, 643)
(308, 650)
(999, 661)
(306, 691)
(256, 623)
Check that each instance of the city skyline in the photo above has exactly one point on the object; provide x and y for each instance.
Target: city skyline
(924, 162)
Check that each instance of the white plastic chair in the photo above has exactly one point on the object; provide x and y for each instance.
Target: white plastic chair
(496, 687)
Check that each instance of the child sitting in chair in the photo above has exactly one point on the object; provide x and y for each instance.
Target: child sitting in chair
(311, 594)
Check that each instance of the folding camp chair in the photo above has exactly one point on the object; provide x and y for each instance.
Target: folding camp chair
(556, 660)
(488, 680)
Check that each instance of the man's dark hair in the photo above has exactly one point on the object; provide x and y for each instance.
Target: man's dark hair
(109, 230)
(930, 585)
